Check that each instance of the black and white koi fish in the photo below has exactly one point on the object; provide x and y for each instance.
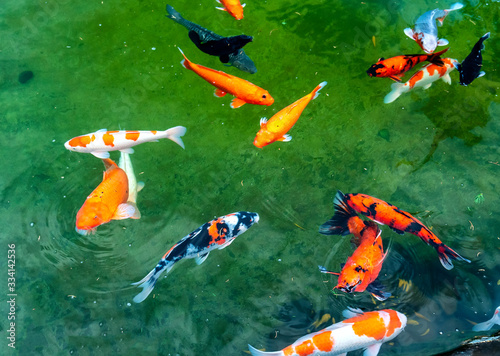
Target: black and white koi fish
(470, 68)
(213, 235)
(210, 42)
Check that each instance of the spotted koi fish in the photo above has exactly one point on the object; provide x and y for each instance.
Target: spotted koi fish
(361, 270)
(107, 202)
(423, 79)
(366, 330)
(400, 221)
(488, 324)
(233, 7)
(277, 127)
(244, 91)
(213, 235)
(99, 143)
(396, 67)
(425, 30)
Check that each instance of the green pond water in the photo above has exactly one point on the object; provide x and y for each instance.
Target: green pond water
(115, 65)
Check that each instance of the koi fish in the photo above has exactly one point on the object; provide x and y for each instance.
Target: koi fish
(399, 221)
(221, 48)
(233, 7)
(488, 324)
(361, 270)
(133, 186)
(366, 330)
(396, 67)
(276, 128)
(244, 91)
(99, 143)
(213, 235)
(470, 68)
(201, 37)
(107, 202)
(423, 79)
(425, 30)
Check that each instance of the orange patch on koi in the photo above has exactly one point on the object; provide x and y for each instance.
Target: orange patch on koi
(394, 322)
(80, 141)
(132, 135)
(369, 324)
(108, 139)
(323, 341)
(306, 348)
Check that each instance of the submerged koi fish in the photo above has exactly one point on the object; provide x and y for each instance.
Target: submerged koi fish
(425, 30)
(470, 68)
(366, 330)
(99, 143)
(396, 67)
(423, 79)
(488, 324)
(107, 202)
(133, 186)
(244, 91)
(400, 221)
(206, 40)
(233, 7)
(361, 270)
(276, 128)
(213, 235)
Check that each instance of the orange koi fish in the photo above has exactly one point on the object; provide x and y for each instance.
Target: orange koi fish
(233, 7)
(276, 128)
(423, 79)
(396, 67)
(366, 330)
(99, 143)
(400, 221)
(107, 202)
(244, 91)
(213, 235)
(362, 268)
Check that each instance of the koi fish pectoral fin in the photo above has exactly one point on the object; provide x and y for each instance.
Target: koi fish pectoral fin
(126, 211)
(219, 93)
(427, 86)
(395, 77)
(442, 42)
(128, 150)
(101, 155)
(409, 32)
(237, 102)
(481, 73)
(201, 258)
(446, 78)
(285, 138)
(140, 186)
(372, 350)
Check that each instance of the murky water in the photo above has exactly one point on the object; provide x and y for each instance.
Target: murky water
(115, 65)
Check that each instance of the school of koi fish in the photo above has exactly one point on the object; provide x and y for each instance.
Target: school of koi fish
(115, 197)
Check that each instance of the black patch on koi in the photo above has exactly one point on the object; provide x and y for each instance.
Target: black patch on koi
(414, 228)
(360, 269)
(372, 71)
(372, 210)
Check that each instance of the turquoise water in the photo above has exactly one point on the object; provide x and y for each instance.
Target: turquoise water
(114, 65)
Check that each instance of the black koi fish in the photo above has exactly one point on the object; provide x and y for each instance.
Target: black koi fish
(213, 235)
(470, 68)
(228, 49)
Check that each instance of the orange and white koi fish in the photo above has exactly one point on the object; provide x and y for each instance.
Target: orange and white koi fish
(276, 128)
(133, 186)
(400, 221)
(213, 235)
(99, 143)
(488, 324)
(423, 79)
(107, 202)
(366, 330)
(244, 91)
(362, 268)
(425, 31)
(233, 7)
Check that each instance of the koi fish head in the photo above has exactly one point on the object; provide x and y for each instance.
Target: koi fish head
(90, 216)
(241, 61)
(79, 142)
(377, 69)
(427, 43)
(350, 279)
(263, 138)
(262, 97)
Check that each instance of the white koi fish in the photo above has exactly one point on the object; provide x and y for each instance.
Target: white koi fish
(423, 79)
(99, 143)
(488, 324)
(366, 330)
(425, 30)
(133, 186)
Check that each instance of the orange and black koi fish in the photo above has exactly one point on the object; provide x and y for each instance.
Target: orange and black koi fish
(361, 270)
(400, 221)
(213, 235)
(396, 67)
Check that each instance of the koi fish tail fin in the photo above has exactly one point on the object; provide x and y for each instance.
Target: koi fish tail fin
(396, 90)
(484, 38)
(317, 89)
(185, 62)
(256, 352)
(175, 134)
(148, 283)
(446, 254)
(435, 58)
(337, 225)
(173, 14)
(487, 325)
